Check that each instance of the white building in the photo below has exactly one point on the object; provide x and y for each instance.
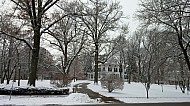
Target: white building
(108, 68)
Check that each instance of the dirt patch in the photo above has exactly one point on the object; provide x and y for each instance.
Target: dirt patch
(82, 88)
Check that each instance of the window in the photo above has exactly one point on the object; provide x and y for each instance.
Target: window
(115, 69)
(116, 75)
(125, 72)
(91, 76)
(109, 68)
(104, 69)
(125, 77)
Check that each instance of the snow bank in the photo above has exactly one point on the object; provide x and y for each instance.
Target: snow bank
(72, 99)
(80, 98)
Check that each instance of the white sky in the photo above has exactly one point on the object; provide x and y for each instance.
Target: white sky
(129, 9)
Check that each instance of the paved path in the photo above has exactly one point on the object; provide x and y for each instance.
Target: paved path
(82, 88)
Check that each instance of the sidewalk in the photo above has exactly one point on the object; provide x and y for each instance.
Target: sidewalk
(82, 88)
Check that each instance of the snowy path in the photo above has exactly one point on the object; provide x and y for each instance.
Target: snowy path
(82, 88)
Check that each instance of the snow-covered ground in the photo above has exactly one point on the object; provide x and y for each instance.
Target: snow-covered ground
(72, 99)
(136, 93)
(132, 93)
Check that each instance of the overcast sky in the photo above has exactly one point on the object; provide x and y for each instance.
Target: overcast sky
(129, 8)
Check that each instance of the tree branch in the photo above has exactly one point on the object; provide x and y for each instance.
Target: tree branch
(23, 40)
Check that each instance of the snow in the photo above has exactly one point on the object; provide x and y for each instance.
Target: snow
(72, 99)
(132, 93)
(136, 93)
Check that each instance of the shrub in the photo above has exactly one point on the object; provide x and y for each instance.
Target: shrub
(112, 82)
(61, 80)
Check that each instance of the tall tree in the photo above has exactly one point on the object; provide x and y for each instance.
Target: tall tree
(100, 16)
(34, 11)
(152, 56)
(69, 34)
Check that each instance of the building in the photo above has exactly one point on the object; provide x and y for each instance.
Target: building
(110, 67)
(174, 77)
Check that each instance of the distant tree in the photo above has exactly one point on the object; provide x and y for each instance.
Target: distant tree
(87, 61)
(120, 49)
(9, 48)
(76, 70)
(9, 61)
(138, 35)
(45, 60)
(112, 82)
(131, 55)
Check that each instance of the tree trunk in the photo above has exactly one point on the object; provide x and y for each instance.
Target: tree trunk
(96, 64)
(180, 41)
(8, 71)
(147, 89)
(35, 57)
(120, 70)
(147, 96)
(129, 78)
(4, 75)
(3, 62)
(19, 75)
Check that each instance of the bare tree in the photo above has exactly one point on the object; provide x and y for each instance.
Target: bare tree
(152, 57)
(69, 34)
(34, 11)
(120, 49)
(9, 59)
(131, 60)
(100, 17)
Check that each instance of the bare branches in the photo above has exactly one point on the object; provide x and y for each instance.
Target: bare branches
(47, 5)
(23, 40)
(54, 22)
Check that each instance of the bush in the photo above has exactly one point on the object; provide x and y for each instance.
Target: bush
(61, 81)
(112, 82)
